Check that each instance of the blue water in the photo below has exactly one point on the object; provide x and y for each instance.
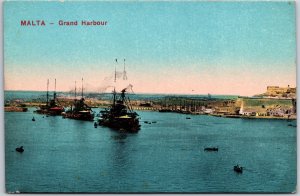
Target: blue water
(64, 155)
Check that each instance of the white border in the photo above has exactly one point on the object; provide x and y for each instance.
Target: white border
(2, 156)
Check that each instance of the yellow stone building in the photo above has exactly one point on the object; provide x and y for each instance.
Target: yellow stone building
(280, 91)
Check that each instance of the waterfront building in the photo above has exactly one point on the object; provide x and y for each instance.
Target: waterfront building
(253, 106)
(280, 92)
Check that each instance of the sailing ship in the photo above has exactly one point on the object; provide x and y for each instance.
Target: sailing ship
(120, 115)
(79, 110)
(51, 107)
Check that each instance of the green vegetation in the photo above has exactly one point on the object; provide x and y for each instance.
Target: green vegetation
(268, 102)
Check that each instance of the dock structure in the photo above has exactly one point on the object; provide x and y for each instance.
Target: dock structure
(189, 105)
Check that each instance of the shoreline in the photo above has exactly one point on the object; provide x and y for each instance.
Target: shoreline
(155, 109)
(247, 108)
(256, 117)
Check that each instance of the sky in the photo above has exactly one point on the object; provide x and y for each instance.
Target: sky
(191, 47)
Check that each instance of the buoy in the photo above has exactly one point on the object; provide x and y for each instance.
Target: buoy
(33, 119)
(95, 125)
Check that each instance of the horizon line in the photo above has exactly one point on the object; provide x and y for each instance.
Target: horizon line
(129, 93)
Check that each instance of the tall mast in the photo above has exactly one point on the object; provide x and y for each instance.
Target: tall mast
(47, 92)
(75, 89)
(54, 93)
(124, 72)
(82, 88)
(114, 92)
(116, 70)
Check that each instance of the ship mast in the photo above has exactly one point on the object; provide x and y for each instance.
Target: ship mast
(116, 71)
(82, 88)
(124, 72)
(75, 89)
(114, 92)
(54, 93)
(47, 92)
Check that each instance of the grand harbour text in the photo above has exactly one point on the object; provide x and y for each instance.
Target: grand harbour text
(64, 23)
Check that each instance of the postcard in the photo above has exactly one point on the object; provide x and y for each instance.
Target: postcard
(150, 97)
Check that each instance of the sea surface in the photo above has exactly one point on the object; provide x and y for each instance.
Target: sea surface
(64, 155)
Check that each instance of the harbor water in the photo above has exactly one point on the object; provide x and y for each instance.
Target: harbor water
(64, 155)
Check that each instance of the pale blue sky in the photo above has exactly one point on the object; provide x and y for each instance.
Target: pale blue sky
(204, 46)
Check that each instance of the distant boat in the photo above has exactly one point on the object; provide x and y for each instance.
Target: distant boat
(79, 110)
(238, 169)
(20, 149)
(52, 107)
(211, 149)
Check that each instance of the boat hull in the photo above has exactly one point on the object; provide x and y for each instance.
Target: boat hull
(52, 112)
(130, 125)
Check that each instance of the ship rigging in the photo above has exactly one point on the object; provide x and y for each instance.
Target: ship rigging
(119, 115)
(52, 107)
(79, 110)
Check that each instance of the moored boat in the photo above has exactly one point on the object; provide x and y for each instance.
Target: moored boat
(119, 115)
(238, 169)
(52, 107)
(79, 110)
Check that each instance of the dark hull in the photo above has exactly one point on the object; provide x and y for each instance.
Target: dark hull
(130, 125)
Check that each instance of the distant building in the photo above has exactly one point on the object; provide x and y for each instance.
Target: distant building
(266, 106)
(279, 111)
(294, 101)
(208, 111)
(248, 112)
(276, 91)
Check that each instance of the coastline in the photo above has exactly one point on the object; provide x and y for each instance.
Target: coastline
(294, 117)
(137, 105)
